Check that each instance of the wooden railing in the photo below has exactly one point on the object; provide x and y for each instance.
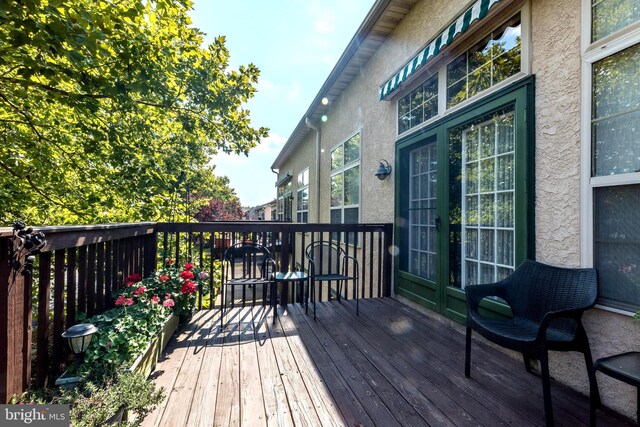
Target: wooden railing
(80, 266)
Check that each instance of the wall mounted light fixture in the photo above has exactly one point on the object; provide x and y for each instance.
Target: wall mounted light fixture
(384, 170)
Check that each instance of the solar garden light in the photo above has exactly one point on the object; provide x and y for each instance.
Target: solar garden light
(79, 337)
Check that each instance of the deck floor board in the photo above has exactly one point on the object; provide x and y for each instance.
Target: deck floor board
(391, 365)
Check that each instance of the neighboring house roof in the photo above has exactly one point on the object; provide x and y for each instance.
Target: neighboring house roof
(382, 19)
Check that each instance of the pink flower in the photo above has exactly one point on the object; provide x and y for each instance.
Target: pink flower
(155, 299)
(120, 301)
(128, 301)
(204, 275)
(168, 303)
(164, 278)
(108, 344)
(141, 290)
(188, 266)
(188, 287)
(186, 275)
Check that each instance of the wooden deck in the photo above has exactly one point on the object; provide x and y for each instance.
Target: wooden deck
(390, 366)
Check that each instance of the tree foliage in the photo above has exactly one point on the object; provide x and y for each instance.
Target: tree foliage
(218, 210)
(104, 104)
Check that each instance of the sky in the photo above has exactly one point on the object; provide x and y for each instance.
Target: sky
(295, 44)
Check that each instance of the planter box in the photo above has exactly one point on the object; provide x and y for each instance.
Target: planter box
(146, 362)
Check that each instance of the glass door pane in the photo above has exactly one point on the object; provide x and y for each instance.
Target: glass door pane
(423, 165)
(482, 202)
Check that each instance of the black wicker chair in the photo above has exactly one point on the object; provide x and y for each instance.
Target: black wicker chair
(247, 265)
(547, 304)
(328, 262)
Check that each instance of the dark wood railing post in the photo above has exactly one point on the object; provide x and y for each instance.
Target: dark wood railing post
(44, 299)
(15, 323)
(150, 253)
(387, 258)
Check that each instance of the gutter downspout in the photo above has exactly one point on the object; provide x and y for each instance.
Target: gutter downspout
(311, 126)
(277, 174)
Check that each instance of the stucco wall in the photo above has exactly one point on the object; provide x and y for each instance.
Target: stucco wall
(556, 63)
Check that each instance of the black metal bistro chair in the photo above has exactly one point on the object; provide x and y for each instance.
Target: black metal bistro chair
(547, 304)
(250, 267)
(328, 262)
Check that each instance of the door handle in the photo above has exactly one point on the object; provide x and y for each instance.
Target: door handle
(437, 222)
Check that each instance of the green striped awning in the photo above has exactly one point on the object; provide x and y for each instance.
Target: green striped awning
(475, 13)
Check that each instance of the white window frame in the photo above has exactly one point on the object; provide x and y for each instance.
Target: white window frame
(342, 170)
(300, 189)
(592, 53)
(441, 69)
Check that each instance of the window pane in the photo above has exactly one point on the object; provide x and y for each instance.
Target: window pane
(352, 149)
(420, 105)
(616, 113)
(493, 59)
(616, 83)
(336, 190)
(611, 15)
(336, 216)
(481, 211)
(336, 158)
(456, 93)
(351, 215)
(480, 54)
(352, 186)
(617, 245)
(303, 178)
(457, 69)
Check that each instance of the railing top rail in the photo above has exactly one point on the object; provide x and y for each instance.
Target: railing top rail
(257, 226)
(62, 237)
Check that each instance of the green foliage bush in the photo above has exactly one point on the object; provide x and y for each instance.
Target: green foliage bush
(123, 334)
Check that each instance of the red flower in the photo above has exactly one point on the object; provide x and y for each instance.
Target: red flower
(128, 301)
(155, 299)
(168, 303)
(186, 275)
(188, 287)
(169, 261)
(141, 290)
(120, 301)
(188, 266)
(134, 278)
(164, 278)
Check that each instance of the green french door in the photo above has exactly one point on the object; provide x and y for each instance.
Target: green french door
(420, 221)
(463, 203)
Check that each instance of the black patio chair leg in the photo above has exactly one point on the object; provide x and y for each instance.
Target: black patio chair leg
(313, 298)
(546, 388)
(594, 403)
(588, 360)
(357, 300)
(222, 305)
(467, 354)
(274, 302)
